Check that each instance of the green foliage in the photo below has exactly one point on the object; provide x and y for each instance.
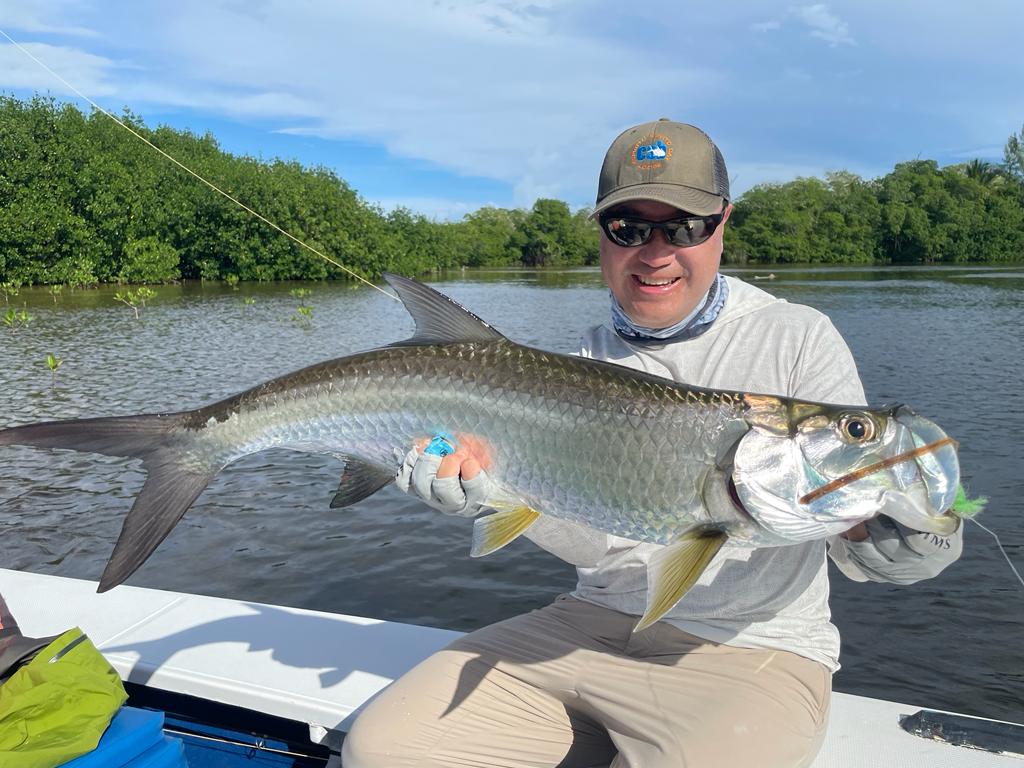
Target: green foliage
(135, 299)
(16, 318)
(303, 317)
(488, 238)
(149, 260)
(9, 290)
(549, 235)
(53, 363)
(83, 202)
(918, 213)
(806, 221)
(1013, 156)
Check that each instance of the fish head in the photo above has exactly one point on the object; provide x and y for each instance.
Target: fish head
(811, 471)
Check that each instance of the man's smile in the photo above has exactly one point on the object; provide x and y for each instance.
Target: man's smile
(648, 284)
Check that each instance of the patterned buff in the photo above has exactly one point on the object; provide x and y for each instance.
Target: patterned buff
(691, 326)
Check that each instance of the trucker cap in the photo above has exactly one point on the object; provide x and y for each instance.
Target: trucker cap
(673, 163)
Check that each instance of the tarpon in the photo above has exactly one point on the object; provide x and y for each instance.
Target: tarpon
(619, 450)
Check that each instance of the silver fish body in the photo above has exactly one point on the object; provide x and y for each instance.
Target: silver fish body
(595, 443)
(615, 449)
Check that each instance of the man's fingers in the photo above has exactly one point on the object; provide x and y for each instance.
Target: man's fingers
(423, 474)
(460, 463)
(470, 468)
(477, 489)
(450, 464)
(404, 476)
(449, 494)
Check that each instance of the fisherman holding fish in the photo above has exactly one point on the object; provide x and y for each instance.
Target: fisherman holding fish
(736, 673)
(695, 462)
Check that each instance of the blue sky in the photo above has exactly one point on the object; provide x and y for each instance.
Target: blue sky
(447, 106)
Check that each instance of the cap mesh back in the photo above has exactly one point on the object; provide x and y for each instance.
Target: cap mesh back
(721, 174)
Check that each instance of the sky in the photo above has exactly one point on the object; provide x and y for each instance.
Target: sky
(445, 106)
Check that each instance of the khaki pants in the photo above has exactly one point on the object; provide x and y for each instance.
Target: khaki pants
(571, 686)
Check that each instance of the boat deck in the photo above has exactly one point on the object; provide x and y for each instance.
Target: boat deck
(319, 669)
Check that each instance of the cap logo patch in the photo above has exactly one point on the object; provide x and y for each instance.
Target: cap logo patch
(652, 154)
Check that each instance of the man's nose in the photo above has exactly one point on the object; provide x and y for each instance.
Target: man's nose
(659, 250)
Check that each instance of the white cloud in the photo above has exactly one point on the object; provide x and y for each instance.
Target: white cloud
(824, 24)
(36, 16)
(85, 71)
(529, 92)
(490, 89)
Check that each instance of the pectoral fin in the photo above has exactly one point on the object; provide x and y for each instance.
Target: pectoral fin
(359, 480)
(495, 531)
(674, 569)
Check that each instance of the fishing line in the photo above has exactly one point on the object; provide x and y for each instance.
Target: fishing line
(1001, 549)
(188, 170)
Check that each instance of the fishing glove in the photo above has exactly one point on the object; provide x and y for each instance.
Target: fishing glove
(451, 495)
(897, 554)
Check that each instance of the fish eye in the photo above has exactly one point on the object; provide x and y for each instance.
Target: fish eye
(856, 428)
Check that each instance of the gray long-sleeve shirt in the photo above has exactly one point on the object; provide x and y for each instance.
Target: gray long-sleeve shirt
(777, 597)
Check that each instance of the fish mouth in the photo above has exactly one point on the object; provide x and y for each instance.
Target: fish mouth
(939, 467)
(863, 472)
(929, 462)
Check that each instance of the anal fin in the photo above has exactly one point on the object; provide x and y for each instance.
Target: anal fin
(493, 532)
(676, 568)
(358, 481)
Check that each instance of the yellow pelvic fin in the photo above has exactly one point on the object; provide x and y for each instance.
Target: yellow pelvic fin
(674, 569)
(495, 531)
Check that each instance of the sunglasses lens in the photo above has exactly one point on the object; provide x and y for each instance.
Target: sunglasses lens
(691, 231)
(627, 233)
(630, 233)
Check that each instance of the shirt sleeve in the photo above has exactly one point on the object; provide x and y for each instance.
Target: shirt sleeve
(576, 544)
(825, 371)
(892, 553)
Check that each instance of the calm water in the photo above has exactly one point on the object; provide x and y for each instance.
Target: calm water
(949, 341)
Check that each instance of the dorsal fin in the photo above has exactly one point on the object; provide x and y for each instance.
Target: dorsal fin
(439, 319)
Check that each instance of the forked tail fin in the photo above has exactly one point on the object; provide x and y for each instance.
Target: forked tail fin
(172, 482)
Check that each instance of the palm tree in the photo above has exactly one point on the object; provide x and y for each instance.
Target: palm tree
(982, 170)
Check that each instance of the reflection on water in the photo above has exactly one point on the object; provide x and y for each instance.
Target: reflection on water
(945, 339)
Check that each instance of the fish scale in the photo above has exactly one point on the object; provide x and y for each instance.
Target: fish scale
(546, 435)
(615, 449)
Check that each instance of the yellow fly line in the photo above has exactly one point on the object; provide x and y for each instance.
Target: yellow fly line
(189, 171)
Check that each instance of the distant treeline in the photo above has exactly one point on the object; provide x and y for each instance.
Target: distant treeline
(82, 201)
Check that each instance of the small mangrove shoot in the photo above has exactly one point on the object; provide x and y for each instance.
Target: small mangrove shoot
(136, 298)
(16, 318)
(53, 363)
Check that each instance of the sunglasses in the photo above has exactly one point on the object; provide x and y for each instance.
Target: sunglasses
(629, 232)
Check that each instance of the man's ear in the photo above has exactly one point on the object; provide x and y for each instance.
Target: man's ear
(727, 213)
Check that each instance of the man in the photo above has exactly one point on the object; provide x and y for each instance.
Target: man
(738, 673)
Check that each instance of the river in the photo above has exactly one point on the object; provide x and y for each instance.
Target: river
(947, 340)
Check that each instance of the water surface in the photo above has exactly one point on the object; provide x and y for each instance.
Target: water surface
(947, 340)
